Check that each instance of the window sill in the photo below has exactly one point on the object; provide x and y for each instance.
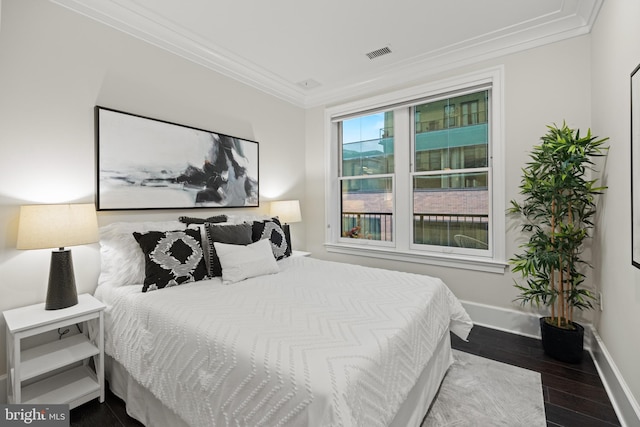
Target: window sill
(443, 260)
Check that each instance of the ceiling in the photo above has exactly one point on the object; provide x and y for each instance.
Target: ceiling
(313, 53)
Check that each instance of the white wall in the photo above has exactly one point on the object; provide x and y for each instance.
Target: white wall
(615, 54)
(542, 86)
(584, 81)
(55, 66)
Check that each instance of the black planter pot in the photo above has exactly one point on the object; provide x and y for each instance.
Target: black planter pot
(565, 345)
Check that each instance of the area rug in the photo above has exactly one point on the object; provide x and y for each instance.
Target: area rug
(482, 392)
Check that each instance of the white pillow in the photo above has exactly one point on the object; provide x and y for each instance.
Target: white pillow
(122, 260)
(240, 262)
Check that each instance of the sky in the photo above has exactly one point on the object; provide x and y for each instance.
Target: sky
(362, 128)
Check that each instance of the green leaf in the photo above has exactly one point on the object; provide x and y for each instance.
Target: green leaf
(556, 191)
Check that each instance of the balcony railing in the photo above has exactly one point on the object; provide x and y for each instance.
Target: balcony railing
(457, 218)
(368, 225)
(452, 230)
(429, 228)
(452, 121)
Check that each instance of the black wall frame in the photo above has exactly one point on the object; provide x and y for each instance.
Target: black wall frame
(635, 167)
(145, 163)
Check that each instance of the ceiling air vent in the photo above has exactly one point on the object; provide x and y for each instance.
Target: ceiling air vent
(379, 52)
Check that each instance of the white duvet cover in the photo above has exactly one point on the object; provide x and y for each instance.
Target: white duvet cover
(317, 344)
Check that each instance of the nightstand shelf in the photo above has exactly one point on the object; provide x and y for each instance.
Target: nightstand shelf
(74, 386)
(58, 371)
(57, 354)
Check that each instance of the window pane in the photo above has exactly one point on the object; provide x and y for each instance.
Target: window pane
(367, 145)
(367, 209)
(451, 210)
(452, 133)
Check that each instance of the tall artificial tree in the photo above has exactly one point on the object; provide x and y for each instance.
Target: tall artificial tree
(557, 215)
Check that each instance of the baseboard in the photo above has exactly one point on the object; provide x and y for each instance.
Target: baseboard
(516, 322)
(521, 323)
(626, 406)
(3, 388)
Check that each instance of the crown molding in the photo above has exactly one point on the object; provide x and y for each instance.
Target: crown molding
(153, 29)
(490, 46)
(574, 18)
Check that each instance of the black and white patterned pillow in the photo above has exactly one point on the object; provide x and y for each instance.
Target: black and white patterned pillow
(236, 234)
(272, 229)
(171, 258)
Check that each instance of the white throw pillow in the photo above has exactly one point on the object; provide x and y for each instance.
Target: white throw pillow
(240, 262)
(121, 259)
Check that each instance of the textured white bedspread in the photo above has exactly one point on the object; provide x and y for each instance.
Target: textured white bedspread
(318, 344)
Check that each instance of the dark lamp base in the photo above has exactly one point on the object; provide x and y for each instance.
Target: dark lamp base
(61, 292)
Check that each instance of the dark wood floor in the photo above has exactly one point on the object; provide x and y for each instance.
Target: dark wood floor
(573, 394)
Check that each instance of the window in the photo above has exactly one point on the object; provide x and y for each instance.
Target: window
(417, 175)
(450, 174)
(366, 150)
(469, 113)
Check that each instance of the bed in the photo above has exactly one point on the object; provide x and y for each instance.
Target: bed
(313, 343)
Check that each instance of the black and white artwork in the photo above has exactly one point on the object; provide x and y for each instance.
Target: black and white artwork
(145, 163)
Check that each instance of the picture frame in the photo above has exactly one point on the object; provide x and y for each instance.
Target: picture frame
(147, 163)
(635, 167)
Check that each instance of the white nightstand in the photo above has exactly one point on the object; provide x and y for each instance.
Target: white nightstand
(76, 382)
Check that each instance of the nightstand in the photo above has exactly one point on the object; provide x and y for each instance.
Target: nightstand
(30, 373)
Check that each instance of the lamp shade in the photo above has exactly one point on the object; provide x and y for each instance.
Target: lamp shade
(57, 226)
(287, 211)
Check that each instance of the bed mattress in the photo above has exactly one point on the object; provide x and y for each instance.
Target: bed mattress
(317, 344)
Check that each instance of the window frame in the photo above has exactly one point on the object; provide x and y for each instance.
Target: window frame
(403, 248)
(342, 177)
(383, 243)
(422, 247)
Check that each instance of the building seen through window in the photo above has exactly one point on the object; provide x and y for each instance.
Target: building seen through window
(449, 173)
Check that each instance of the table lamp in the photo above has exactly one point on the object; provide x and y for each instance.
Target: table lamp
(287, 211)
(57, 226)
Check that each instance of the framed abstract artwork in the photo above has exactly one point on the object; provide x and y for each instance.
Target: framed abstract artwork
(145, 163)
(635, 167)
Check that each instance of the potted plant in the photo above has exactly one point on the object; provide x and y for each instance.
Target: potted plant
(557, 214)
